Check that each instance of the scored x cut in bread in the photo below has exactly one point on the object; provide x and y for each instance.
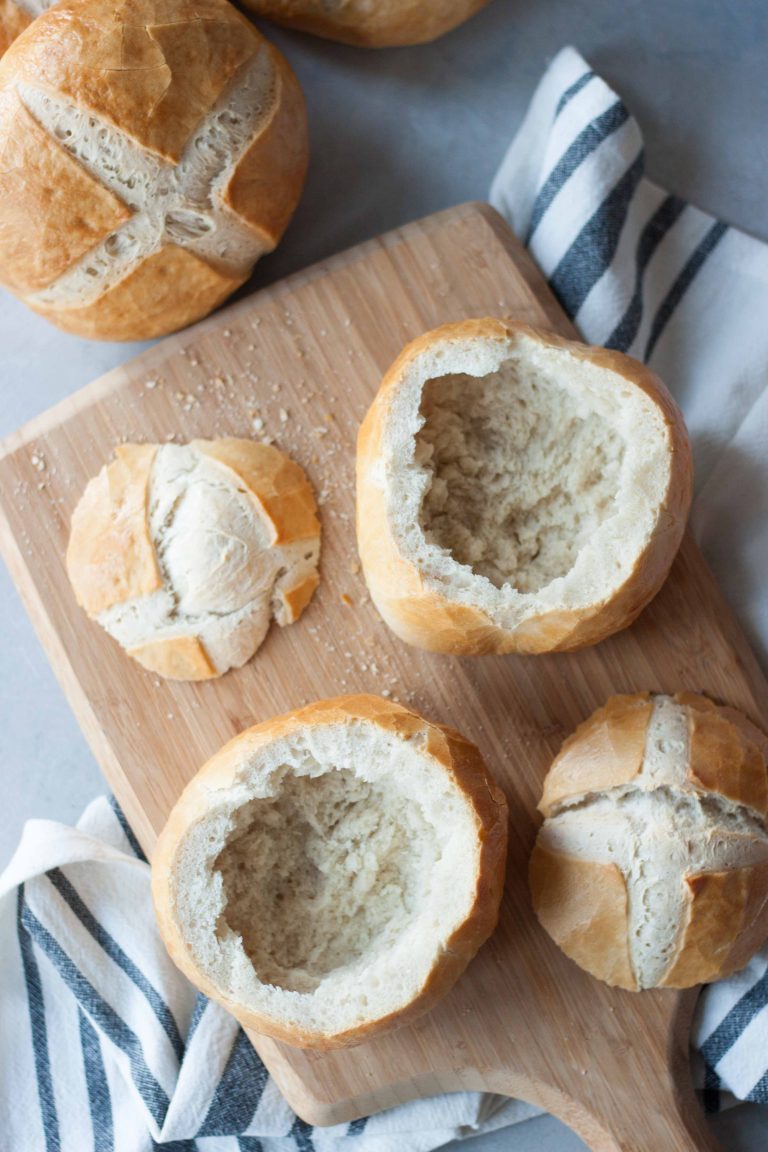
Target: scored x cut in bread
(329, 874)
(517, 492)
(651, 867)
(370, 23)
(153, 151)
(184, 553)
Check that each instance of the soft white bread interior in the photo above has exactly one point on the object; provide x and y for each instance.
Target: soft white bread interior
(330, 873)
(651, 867)
(184, 553)
(370, 23)
(517, 492)
(154, 150)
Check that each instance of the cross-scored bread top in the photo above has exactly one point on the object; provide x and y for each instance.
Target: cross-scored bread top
(184, 553)
(156, 151)
(652, 865)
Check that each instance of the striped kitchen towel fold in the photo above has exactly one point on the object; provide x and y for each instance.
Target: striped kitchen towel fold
(106, 1047)
(103, 1044)
(640, 270)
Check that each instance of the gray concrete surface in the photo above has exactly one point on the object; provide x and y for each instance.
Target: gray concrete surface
(396, 135)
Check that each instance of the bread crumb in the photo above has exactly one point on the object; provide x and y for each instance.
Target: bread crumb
(346, 599)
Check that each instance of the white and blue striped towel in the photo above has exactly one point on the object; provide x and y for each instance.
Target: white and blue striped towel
(103, 1045)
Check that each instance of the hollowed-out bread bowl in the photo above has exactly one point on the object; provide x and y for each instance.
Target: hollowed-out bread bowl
(517, 492)
(330, 873)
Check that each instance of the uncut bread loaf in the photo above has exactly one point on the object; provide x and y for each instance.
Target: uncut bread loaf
(329, 874)
(370, 23)
(517, 492)
(651, 867)
(153, 151)
(184, 553)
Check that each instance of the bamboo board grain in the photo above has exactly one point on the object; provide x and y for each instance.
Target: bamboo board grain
(306, 357)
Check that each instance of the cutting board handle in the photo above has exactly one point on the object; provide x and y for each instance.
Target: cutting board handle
(660, 1118)
(648, 1105)
(651, 1105)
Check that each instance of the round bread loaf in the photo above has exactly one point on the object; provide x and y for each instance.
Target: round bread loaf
(651, 867)
(517, 492)
(370, 23)
(183, 553)
(329, 874)
(154, 150)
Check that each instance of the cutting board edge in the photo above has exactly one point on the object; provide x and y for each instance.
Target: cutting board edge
(58, 659)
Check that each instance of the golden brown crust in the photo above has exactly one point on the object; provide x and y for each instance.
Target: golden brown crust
(265, 187)
(722, 756)
(13, 21)
(295, 599)
(152, 69)
(605, 751)
(726, 923)
(175, 658)
(460, 759)
(40, 234)
(721, 760)
(420, 614)
(110, 556)
(584, 908)
(147, 302)
(281, 491)
(386, 23)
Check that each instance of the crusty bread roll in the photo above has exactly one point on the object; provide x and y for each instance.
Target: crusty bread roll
(370, 23)
(183, 553)
(651, 867)
(153, 150)
(517, 492)
(329, 874)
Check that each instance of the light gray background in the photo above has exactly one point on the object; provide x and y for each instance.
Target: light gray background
(396, 135)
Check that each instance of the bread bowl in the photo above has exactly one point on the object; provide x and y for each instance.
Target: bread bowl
(517, 492)
(329, 874)
(370, 23)
(184, 553)
(651, 867)
(153, 152)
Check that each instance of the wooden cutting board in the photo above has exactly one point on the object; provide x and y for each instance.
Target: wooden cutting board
(305, 357)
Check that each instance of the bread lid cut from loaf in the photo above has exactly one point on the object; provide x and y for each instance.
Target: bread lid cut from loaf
(651, 869)
(516, 491)
(183, 553)
(329, 874)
